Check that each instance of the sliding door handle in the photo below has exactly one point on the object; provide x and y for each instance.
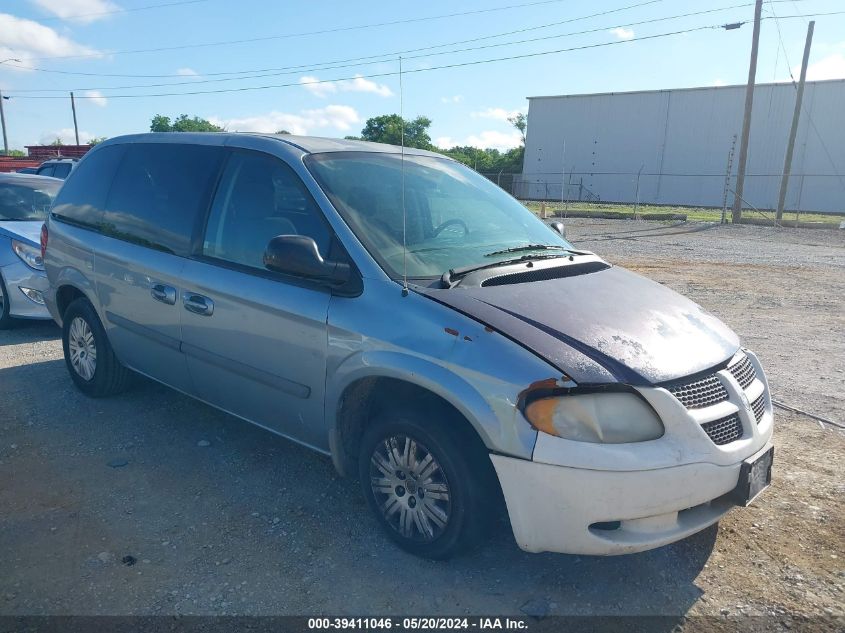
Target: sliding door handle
(165, 294)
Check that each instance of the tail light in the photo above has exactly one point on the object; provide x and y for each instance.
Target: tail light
(44, 235)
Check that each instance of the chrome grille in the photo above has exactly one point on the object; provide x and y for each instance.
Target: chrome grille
(759, 406)
(724, 430)
(743, 371)
(700, 393)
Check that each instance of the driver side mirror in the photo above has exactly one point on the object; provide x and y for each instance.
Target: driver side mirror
(298, 255)
(558, 226)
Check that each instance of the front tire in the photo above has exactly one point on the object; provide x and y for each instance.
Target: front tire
(428, 485)
(89, 357)
(6, 321)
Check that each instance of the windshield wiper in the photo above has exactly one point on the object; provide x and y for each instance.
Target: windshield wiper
(529, 247)
(454, 275)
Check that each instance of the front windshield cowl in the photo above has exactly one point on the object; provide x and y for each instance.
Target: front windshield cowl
(453, 217)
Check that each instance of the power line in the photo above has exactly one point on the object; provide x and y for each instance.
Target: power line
(384, 57)
(121, 10)
(393, 73)
(455, 43)
(310, 33)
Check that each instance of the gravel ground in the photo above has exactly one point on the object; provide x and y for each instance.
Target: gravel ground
(151, 503)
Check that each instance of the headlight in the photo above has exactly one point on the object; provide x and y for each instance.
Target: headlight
(602, 418)
(30, 255)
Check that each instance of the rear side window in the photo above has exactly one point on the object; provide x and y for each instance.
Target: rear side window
(46, 170)
(82, 198)
(158, 192)
(62, 170)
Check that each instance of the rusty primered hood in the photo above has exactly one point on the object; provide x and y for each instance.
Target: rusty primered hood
(606, 326)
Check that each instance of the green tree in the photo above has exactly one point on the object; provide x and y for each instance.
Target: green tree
(282, 132)
(182, 123)
(16, 152)
(97, 139)
(520, 122)
(387, 128)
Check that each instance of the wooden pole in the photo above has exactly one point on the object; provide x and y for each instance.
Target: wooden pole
(790, 145)
(746, 121)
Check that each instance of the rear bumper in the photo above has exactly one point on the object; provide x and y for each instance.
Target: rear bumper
(16, 276)
(552, 508)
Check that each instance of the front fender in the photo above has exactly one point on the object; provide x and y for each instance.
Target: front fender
(417, 371)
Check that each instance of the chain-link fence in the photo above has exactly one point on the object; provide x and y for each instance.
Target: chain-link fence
(807, 192)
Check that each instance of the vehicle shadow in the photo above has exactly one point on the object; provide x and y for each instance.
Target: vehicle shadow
(206, 499)
(28, 331)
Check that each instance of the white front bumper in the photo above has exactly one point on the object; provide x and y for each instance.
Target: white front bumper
(648, 494)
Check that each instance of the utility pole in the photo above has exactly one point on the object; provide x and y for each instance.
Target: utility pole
(746, 121)
(75, 127)
(790, 145)
(3, 121)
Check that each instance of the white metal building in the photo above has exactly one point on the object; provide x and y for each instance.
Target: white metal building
(676, 144)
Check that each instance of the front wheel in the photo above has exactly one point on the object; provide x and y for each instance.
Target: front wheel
(89, 357)
(431, 491)
(6, 321)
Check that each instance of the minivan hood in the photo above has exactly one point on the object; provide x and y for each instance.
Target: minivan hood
(607, 326)
(24, 230)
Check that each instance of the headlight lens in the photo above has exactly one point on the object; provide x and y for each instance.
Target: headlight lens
(30, 255)
(601, 418)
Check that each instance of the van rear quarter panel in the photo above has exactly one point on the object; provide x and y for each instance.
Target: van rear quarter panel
(69, 261)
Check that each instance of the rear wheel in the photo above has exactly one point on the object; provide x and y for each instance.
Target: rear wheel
(89, 357)
(429, 488)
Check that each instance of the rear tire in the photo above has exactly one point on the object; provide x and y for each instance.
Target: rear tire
(6, 321)
(89, 357)
(429, 486)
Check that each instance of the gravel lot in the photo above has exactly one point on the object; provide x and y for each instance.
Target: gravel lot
(220, 517)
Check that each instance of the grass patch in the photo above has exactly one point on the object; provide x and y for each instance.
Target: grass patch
(694, 214)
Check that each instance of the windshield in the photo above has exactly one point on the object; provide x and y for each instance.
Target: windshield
(454, 217)
(27, 200)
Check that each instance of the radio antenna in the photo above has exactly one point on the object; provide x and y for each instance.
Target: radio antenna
(402, 163)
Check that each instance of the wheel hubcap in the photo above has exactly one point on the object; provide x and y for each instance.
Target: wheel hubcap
(83, 351)
(410, 488)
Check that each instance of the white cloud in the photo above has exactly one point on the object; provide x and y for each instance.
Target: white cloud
(453, 99)
(719, 82)
(187, 72)
(332, 117)
(96, 97)
(66, 135)
(622, 33)
(21, 38)
(83, 11)
(497, 114)
(491, 139)
(357, 84)
(830, 67)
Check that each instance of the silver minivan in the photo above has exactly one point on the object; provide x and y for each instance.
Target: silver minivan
(402, 314)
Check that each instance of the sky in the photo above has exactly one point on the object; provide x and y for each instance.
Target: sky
(281, 78)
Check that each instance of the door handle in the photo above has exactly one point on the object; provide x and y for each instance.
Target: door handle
(198, 304)
(165, 294)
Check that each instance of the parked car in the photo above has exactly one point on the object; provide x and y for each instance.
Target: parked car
(24, 202)
(57, 167)
(404, 315)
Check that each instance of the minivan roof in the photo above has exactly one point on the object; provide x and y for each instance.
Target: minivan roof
(307, 144)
